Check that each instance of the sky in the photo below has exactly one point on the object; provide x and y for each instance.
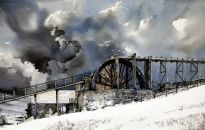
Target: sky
(170, 28)
(161, 28)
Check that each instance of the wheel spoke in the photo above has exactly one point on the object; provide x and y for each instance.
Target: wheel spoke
(107, 72)
(107, 76)
(104, 77)
(104, 84)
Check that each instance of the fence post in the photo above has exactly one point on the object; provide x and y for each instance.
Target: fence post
(176, 87)
(36, 89)
(25, 92)
(14, 93)
(3, 96)
(166, 92)
(55, 84)
(200, 81)
(73, 79)
(187, 86)
(140, 97)
(65, 81)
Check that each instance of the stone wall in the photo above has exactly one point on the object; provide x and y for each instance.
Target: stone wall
(92, 100)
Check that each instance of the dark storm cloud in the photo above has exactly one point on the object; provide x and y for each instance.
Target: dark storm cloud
(101, 28)
(33, 39)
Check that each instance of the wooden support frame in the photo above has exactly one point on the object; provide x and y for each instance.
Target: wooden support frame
(179, 72)
(148, 73)
(134, 70)
(163, 72)
(194, 71)
(117, 70)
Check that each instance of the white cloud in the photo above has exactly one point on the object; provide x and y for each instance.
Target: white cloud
(7, 43)
(60, 19)
(144, 23)
(26, 68)
(180, 25)
(112, 9)
(126, 24)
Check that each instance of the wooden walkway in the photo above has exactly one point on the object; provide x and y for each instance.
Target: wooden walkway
(70, 82)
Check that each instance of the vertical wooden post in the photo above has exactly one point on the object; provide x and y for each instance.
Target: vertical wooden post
(140, 96)
(190, 71)
(25, 92)
(3, 96)
(200, 81)
(57, 105)
(176, 87)
(35, 106)
(134, 70)
(36, 89)
(148, 73)
(197, 70)
(182, 70)
(117, 70)
(126, 78)
(176, 71)
(74, 79)
(55, 84)
(65, 81)
(187, 87)
(14, 93)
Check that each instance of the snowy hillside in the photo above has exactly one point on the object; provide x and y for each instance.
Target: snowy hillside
(185, 110)
(14, 111)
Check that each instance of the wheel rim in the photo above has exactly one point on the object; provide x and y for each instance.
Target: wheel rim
(106, 77)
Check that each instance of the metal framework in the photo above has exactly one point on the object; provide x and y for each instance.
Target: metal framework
(194, 71)
(163, 77)
(179, 71)
(118, 73)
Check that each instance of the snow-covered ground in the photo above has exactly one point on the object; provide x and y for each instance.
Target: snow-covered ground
(13, 111)
(185, 110)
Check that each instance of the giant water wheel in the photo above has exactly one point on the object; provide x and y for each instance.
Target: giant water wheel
(106, 76)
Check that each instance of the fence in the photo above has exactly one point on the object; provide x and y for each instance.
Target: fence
(175, 88)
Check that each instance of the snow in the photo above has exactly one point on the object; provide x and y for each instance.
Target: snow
(14, 109)
(184, 110)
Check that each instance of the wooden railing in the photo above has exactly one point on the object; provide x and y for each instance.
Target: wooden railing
(68, 82)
